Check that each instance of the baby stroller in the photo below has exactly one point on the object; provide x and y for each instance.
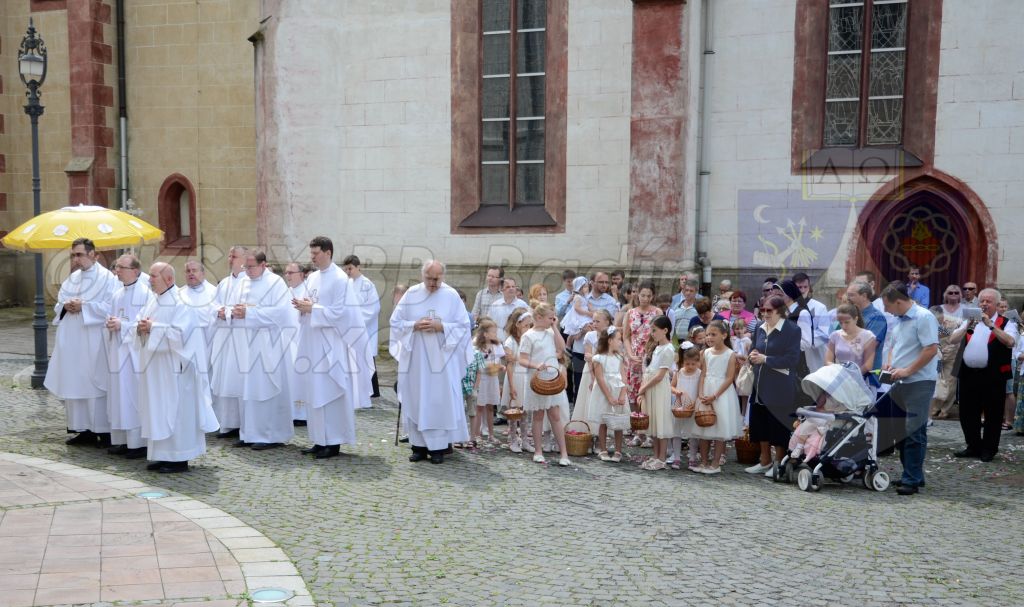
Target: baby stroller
(848, 447)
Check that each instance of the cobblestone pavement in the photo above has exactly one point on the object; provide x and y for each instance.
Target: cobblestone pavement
(492, 528)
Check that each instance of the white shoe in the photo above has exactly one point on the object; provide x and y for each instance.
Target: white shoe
(539, 459)
(647, 444)
(757, 468)
(636, 441)
(715, 470)
(769, 473)
(564, 461)
(695, 467)
(516, 446)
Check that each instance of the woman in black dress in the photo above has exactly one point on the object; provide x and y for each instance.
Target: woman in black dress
(775, 357)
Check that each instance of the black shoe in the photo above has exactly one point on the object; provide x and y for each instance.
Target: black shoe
(135, 453)
(449, 450)
(501, 421)
(404, 439)
(328, 451)
(154, 465)
(228, 434)
(240, 443)
(968, 452)
(264, 446)
(418, 454)
(375, 395)
(298, 422)
(86, 437)
(313, 450)
(900, 484)
(117, 449)
(907, 490)
(987, 457)
(887, 452)
(102, 440)
(173, 467)
(437, 457)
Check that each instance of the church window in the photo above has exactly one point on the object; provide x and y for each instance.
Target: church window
(176, 213)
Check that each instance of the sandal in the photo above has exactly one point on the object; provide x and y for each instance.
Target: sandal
(604, 456)
(617, 457)
(1007, 426)
(676, 465)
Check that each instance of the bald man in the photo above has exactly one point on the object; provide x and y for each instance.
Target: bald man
(175, 406)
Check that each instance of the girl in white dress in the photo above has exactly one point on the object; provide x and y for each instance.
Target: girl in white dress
(717, 391)
(540, 349)
(609, 389)
(685, 387)
(488, 390)
(581, 412)
(655, 393)
(741, 346)
(519, 322)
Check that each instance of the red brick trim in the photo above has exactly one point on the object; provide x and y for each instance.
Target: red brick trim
(959, 202)
(924, 30)
(465, 168)
(39, 6)
(169, 215)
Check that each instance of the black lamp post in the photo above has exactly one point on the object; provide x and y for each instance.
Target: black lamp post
(32, 68)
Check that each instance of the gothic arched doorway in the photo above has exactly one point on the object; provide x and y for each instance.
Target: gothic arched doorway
(933, 221)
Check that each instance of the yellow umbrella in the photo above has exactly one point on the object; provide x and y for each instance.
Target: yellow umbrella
(107, 228)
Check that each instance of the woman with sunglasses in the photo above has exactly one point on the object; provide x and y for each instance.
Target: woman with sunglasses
(775, 357)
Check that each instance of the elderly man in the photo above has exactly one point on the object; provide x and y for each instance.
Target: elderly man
(501, 309)
(83, 305)
(983, 374)
(266, 402)
(369, 302)
(490, 294)
(331, 334)
(227, 342)
(724, 289)
(970, 294)
(911, 366)
(201, 295)
(123, 362)
(430, 334)
(599, 298)
(175, 406)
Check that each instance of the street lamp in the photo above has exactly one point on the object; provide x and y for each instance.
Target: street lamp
(32, 68)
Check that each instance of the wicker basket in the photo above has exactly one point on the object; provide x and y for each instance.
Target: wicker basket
(683, 411)
(578, 444)
(548, 387)
(492, 369)
(747, 452)
(705, 417)
(513, 414)
(639, 421)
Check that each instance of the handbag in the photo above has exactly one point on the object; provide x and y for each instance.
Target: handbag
(618, 419)
(942, 388)
(745, 380)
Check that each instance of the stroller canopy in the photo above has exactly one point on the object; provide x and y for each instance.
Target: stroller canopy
(843, 383)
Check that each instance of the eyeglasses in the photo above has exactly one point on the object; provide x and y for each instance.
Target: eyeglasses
(123, 268)
(970, 288)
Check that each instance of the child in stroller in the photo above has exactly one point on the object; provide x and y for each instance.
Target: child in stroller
(836, 438)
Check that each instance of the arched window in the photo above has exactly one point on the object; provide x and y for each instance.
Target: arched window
(176, 208)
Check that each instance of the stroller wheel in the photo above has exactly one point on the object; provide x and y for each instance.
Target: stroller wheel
(868, 475)
(880, 481)
(804, 478)
(847, 479)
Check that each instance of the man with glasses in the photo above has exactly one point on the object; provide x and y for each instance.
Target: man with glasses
(122, 363)
(295, 278)
(970, 294)
(599, 298)
(83, 306)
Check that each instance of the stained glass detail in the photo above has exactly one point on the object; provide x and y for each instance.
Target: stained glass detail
(885, 121)
(531, 14)
(496, 15)
(846, 28)
(887, 73)
(495, 54)
(530, 96)
(530, 184)
(843, 80)
(494, 185)
(494, 98)
(889, 26)
(530, 53)
(842, 120)
(494, 142)
(530, 140)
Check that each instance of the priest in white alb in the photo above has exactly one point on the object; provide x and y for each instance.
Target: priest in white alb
(81, 313)
(174, 396)
(430, 334)
(122, 361)
(369, 304)
(265, 310)
(227, 340)
(201, 295)
(295, 278)
(331, 331)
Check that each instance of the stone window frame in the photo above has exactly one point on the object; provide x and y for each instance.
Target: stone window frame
(810, 64)
(170, 219)
(467, 215)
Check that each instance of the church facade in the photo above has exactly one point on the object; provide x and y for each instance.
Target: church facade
(739, 139)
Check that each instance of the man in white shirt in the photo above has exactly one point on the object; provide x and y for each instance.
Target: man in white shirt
(983, 374)
(500, 310)
(491, 293)
(685, 310)
(369, 300)
(819, 323)
(563, 297)
(83, 305)
(227, 341)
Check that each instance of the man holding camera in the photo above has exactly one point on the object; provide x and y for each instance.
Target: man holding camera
(988, 345)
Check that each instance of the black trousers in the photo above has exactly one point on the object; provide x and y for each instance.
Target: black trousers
(578, 362)
(892, 423)
(982, 391)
